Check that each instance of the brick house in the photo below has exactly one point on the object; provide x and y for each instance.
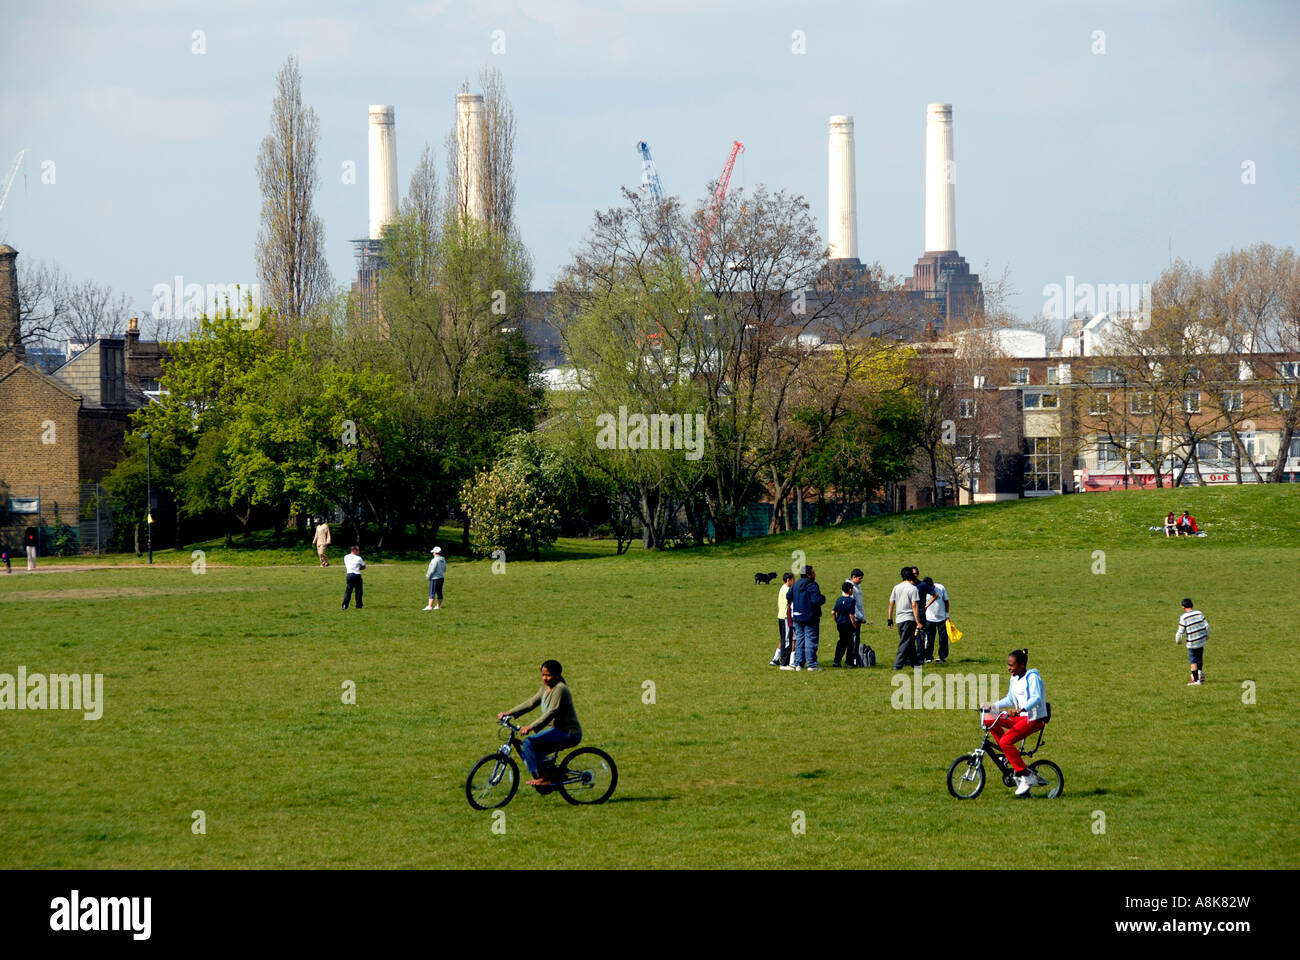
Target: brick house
(62, 431)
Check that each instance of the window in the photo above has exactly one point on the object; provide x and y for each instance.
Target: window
(1104, 375)
(1053, 375)
(1294, 452)
(1019, 375)
(1108, 452)
(1281, 401)
(1192, 401)
(1231, 400)
(1140, 403)
(965, 409)
(1290, 370)
(1042, 401)
(1099, 404)
(112, 376)
(1042, 463)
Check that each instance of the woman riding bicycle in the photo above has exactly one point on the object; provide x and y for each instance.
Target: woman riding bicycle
(557, 710)
(1026, 707)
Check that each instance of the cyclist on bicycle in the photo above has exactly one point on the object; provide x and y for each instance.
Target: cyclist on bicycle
(557, 710)
(1026, 707)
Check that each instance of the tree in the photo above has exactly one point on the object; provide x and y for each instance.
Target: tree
(291, 240)
(42, 304)
(1251, 302)
(497, 165)
(508, 511)
(92, 310)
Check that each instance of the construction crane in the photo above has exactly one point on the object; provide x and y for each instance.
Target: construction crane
(650, 181)
(649, 173)
(9, 181)
(705, 235)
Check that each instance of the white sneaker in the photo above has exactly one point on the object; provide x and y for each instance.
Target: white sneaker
(428, 608)
(1023, 784)
(798, 668)
(789, 668)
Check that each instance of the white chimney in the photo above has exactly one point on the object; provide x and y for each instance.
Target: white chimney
(842, 215)
(470, 164)
(383, 168)
(940, 180)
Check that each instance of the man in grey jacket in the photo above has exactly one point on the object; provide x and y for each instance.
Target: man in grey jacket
(436, 573)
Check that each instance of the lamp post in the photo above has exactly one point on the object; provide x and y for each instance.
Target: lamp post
(148, 486)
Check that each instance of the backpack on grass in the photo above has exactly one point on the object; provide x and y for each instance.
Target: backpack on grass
(866, 656)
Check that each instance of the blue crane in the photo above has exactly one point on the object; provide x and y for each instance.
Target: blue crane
(649, 173)
(650, 179)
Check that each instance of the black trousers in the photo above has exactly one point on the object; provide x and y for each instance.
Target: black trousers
(908, 653)
(785, 646)
(936, 640)
(354, 583)
(846, 648)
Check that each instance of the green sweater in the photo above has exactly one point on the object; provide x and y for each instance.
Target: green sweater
(557, 706)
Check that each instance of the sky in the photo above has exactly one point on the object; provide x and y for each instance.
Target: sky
(1093, 141)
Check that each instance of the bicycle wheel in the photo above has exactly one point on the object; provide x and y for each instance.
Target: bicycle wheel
(492, 782)
(593, 773)
(966, 777)
(1052, 774)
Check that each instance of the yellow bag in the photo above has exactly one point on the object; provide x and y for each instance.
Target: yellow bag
(953, 633)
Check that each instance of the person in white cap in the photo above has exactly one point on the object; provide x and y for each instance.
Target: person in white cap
(435, 574)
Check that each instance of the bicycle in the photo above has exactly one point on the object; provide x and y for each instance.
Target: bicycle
(587, 775)
(966, 775)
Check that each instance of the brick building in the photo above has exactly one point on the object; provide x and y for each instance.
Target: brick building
(62, 432)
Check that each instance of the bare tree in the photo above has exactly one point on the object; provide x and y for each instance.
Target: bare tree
(497, 172)
(422, 195)
(291, 240)
(1250, 295)
(42, 303)
(94, 310)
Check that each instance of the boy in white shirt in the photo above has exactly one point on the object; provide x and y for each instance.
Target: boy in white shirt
(1026, 706)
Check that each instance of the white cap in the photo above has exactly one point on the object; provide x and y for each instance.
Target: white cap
(436, 550)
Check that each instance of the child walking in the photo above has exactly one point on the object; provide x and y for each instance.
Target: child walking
(1193, 627)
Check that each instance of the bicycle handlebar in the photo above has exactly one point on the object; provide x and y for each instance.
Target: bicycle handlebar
(505, 722)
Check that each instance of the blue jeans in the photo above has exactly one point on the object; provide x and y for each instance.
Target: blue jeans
(805, 643)
(538, 745)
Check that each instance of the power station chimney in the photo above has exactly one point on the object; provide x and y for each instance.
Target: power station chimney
(383, 168)
(470, 159)
(940, 180)
(842, 215)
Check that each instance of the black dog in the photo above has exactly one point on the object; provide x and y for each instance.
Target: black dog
(764, 577)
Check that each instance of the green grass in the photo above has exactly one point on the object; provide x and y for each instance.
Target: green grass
(223, 695)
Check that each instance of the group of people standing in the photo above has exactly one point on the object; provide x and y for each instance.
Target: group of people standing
(921, 608)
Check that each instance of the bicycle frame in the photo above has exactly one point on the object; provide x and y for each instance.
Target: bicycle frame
(988, 747)
(548, 763)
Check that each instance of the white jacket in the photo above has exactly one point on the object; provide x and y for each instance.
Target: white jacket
(1027, 695)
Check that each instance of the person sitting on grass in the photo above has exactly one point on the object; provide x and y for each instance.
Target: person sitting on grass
(1171, 525)
(1187, 525)
(557, 709)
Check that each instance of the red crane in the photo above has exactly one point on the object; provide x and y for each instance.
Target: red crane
(703, 238)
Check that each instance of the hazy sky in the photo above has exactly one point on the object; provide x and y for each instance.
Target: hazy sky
(1071, 162)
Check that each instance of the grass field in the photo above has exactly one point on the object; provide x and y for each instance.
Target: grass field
(223, 694)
